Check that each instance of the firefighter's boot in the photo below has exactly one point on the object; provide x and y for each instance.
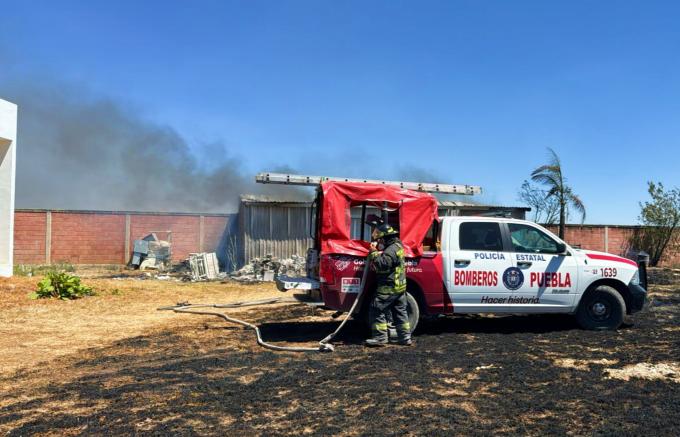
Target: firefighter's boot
(375, 342)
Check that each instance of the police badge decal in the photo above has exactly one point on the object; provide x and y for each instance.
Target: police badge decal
(513, 278)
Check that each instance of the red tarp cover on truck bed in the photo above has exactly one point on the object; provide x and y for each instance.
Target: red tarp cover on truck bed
(416, 212)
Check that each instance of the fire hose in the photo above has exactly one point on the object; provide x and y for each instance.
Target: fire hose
(324, 345)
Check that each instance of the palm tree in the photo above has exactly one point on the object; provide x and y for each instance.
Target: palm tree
(551, 176)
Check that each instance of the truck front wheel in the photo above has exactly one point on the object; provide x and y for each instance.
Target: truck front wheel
(601, 309)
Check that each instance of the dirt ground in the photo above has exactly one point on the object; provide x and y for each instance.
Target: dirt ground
(111, 364)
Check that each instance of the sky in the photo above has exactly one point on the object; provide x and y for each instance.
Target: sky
(469, 92)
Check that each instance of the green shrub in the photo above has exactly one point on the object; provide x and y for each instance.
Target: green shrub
(62, 286)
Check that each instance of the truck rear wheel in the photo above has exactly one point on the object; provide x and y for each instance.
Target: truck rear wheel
(411, 308)
(601, 309)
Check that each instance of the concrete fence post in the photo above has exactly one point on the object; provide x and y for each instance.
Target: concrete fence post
(126, 255)
(606, 238)
(48, 237)
(201, 233)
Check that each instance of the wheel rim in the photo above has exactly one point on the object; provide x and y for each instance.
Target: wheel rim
(599, 310)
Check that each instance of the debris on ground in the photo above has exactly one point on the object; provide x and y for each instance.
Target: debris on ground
(197, 267)
(152, 253)
(268, 267)
(204, 266)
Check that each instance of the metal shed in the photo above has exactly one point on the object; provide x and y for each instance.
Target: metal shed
(273, 226)
(456, 208)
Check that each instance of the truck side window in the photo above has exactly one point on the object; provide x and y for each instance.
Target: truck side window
(431, 240)
(480, 236)
(529, 239)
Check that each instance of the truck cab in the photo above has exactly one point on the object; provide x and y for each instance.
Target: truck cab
(497, 265)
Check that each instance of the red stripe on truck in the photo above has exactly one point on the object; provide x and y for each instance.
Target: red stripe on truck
(611, 258)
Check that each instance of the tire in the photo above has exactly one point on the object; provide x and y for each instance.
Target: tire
(412, 309)
(601, 309)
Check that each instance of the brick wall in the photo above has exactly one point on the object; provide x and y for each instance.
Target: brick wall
(93, 237)
(604, 238)
(29, 237)
(88, 238)
(213, 233)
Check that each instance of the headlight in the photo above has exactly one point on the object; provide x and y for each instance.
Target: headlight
(636, 278)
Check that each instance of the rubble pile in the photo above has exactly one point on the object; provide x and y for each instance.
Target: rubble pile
(269, 266)
(198, 267)
(152, 253)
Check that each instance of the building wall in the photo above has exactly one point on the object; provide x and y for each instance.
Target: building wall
(8, 153)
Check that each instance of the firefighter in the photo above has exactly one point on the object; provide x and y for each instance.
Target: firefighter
(390, 299)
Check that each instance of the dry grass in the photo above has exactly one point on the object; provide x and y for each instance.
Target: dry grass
(39, 330)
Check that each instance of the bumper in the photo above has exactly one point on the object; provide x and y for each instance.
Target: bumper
(638, 299)
(285, 283)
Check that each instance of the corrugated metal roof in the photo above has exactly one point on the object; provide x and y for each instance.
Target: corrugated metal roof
(454, 203)
(520, 208)
(264, 198)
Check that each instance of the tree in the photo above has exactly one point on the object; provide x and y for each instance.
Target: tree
(552, 177)
(545, 209)
(660, 218)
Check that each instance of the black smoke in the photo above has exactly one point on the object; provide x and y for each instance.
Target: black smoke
(77, 150)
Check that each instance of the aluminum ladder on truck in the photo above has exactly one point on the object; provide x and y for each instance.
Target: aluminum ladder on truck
(285, 283)
(294, 179)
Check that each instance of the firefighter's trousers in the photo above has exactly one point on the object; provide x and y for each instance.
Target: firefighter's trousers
(381, 308)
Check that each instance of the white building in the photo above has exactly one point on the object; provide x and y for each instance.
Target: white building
(8, 155)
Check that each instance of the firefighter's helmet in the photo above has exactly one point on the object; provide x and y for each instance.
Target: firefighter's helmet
(385, 230)
(374, 220)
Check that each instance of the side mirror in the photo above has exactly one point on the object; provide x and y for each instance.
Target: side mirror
(561, 248)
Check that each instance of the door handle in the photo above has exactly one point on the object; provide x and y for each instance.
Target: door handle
(462, 262)
(524, 264)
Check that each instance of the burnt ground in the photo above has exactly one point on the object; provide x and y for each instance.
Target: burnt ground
(467, 375)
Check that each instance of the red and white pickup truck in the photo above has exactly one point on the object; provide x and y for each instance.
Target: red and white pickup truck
(458, 265)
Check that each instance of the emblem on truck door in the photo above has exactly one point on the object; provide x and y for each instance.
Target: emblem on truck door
(342, 264)
(513, 278)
